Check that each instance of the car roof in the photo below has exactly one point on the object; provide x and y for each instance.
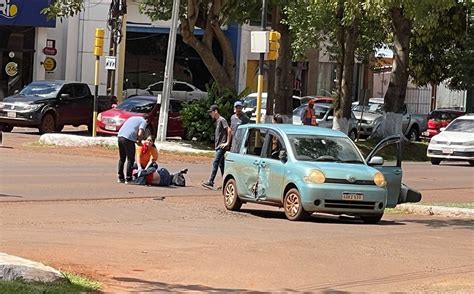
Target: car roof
(150, 98)
(469, 116)
(291, 129)
(448, 110)
(376, 100)
(57, 82)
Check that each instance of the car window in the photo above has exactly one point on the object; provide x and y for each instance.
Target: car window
(331, 112)
(274, 146)
(331, 149)
(157, 86)
(461, 125)
(136, 105)
(175, 106)
(254, 142)
(68, 89)
(237, 139)
(41, 89)
(182, 87)
(80, 90)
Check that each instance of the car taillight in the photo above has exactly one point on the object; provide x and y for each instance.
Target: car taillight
(433, 124)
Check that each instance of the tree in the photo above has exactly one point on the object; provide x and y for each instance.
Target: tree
(347, 31)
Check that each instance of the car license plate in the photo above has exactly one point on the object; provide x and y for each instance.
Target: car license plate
(11, 114)
(110, 127)
(352, 196)
(447, 150)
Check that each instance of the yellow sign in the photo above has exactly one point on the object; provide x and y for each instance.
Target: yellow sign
(49, 64)
(11, 69)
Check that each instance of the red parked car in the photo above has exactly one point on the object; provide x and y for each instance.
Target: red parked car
(440, 118)
(109, 122)
(317, 99)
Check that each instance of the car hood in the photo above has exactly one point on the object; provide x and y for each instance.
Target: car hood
(367, 115)
(25, 99)
(333, 170)
(119, 113)
(447, 136)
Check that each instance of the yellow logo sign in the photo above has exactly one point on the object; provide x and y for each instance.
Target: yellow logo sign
(7, 9)
(49, 64)
(11, 69)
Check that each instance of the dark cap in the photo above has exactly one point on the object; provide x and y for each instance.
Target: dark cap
(213, 108)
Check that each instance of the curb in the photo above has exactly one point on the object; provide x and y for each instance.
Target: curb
(437, 210)
(82, 141)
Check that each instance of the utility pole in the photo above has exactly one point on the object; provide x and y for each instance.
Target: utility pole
(98, 51)
(260, 65)
(168, 78)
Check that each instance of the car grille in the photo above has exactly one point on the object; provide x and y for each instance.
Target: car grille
(455, 153)
(344, 181)
(347, 204)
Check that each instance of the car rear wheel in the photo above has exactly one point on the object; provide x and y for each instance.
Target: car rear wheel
(293, 206)
(231, 198)
(413, 134)
(371, 219)
(435, 161)
(48, 124)
(6, 128)
(59, 128)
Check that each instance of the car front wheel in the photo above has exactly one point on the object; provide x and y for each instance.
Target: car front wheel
(372, 219)
(435, 161)
(293, 206)
(48, 124)
(6, 128)
(413, 134)
(231, 198)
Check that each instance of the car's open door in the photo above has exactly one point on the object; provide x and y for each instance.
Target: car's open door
(391, 169)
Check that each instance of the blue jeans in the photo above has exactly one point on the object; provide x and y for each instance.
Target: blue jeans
(217, 163)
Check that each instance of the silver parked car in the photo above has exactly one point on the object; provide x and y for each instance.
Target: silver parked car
(325, 117)
(181, 91)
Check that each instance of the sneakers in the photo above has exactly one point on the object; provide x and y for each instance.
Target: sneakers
(208, 185)
(120, 181)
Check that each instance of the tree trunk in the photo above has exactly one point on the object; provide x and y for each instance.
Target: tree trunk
(284, 73)
(395, 96)
(343, 108)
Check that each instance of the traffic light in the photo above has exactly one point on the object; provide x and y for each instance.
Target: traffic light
(274, 45)
(99, 42)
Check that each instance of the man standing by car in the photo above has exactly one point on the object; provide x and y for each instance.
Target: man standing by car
(238, 118)
(308, 117)
(131, 132)
(223, 135)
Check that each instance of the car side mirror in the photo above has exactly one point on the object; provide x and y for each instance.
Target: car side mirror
(330, 117)
(442, 129)
(283, 156)
(376, 160)
(65, 96)
(16, 92)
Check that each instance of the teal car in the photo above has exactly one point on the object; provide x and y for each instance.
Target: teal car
(307, 169)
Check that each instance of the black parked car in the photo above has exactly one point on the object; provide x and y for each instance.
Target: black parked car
(49, 105)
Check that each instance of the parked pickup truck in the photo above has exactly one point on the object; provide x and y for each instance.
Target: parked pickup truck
(412, 124)
(49, 105)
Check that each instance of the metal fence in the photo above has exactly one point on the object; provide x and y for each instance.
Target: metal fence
(418, 100)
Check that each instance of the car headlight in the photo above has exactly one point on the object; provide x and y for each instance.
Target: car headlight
(2, 105)
(316, 176)
(433, 141)
(119, 121)
(379, 179)
(30, 107)
(99, 117)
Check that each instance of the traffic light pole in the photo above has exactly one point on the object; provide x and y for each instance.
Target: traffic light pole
(98, 51)
(260, 66)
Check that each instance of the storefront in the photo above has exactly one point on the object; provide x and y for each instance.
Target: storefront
(19, 23)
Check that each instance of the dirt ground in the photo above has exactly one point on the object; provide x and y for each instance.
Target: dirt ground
(134, 239)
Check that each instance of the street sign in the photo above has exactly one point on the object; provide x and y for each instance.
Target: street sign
(49, 64)
(259, 42)
(110, 62)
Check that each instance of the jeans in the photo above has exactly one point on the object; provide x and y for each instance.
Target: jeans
(126, 152)
(217, 163)
(141, 176)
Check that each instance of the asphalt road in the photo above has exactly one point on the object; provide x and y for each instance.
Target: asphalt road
(184, 240)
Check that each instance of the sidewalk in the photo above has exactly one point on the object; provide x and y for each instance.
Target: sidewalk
(82, 141)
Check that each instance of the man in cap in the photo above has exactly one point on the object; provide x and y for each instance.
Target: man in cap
(238, 118)
(223, 135)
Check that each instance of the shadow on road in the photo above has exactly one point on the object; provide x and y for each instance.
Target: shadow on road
(144, 286)
(316, 218)
(443, 223)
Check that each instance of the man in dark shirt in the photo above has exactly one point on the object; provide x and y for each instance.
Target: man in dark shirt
(222, 139)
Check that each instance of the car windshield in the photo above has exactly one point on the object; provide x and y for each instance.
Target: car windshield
(251, 102)
(136, 105)
(376, 107)
(318, 110)
(461, 125)
(373, 107)
(331, 149)
(46, 90)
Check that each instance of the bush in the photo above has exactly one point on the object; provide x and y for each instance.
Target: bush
(196, 120)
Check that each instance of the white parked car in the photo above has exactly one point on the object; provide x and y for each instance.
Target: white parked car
(181, 91)
(456, 142)
(250, 105)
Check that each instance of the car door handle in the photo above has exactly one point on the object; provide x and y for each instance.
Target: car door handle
(397, 172)
(263, 164)
(256, 162)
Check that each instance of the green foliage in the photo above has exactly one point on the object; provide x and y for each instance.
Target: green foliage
(63, 8)
(196, 119)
